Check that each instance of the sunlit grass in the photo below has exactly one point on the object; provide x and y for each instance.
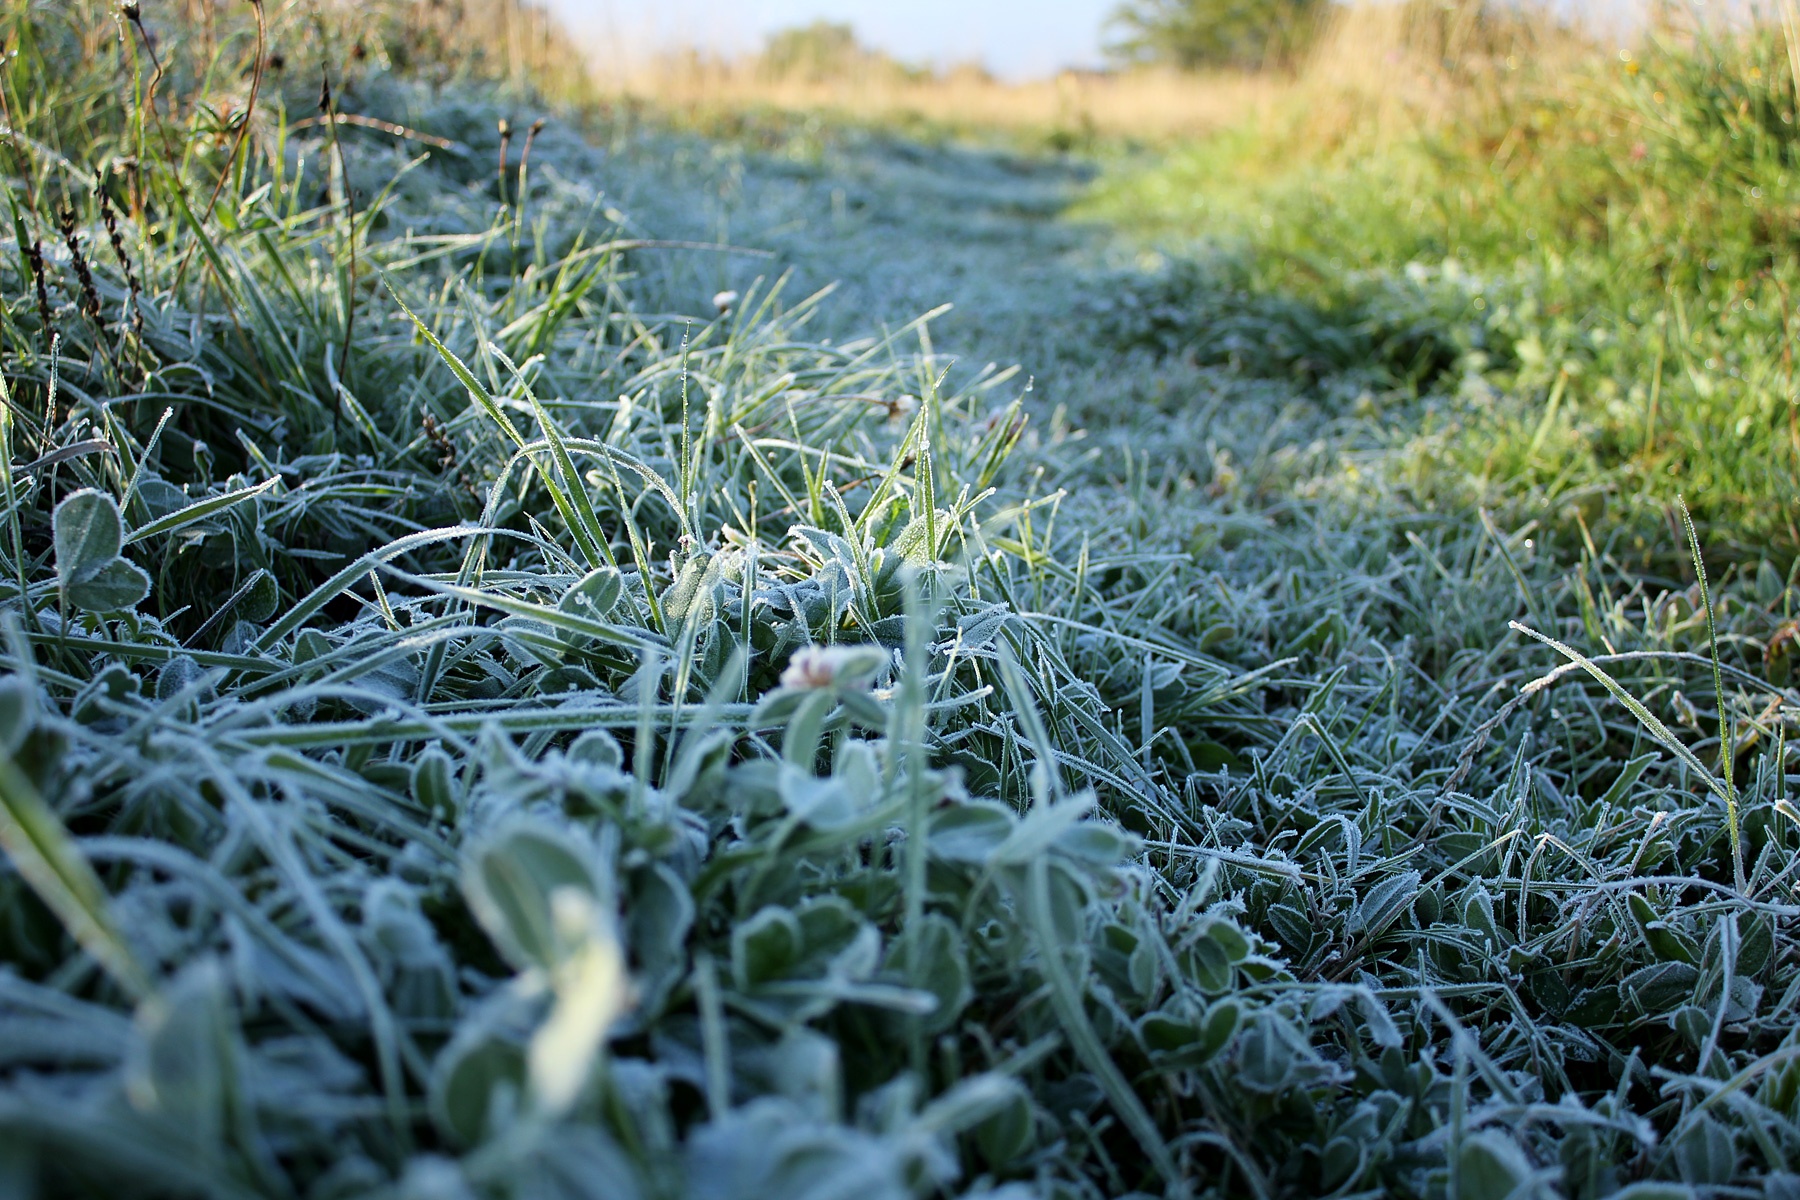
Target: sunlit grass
(1617, 228)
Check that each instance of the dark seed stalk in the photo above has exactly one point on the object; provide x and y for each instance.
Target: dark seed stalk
(36, 256)
(505, 141)
(525, 154)
(111, 220)
(90, 296)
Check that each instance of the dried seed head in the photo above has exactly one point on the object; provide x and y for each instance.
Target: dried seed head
(440, 440)
(1013, 426)
(90, 298)
(118, 247)
(35, 255)
(120, 253)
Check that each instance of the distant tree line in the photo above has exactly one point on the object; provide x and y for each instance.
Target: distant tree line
(827, 51)
(1195, 34)
(1188, 34)
(821, 50)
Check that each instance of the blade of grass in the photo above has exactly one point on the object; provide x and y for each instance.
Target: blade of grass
(49, 860)
(1726, 750)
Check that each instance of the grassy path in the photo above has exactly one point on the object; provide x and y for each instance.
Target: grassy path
(900, 228)
(1079, 307)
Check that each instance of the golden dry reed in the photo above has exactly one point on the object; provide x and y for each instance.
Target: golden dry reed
(1157, 104)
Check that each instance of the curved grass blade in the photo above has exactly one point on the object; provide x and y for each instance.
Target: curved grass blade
(1725, 734)
(1652, 724)
(332, 588)
(198, 511)
(48, 859)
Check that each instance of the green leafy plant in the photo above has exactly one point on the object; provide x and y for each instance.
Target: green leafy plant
(91, 575)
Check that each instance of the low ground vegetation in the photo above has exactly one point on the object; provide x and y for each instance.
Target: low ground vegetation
(515, 691)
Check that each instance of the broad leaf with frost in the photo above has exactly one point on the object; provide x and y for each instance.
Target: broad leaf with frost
(89, 571)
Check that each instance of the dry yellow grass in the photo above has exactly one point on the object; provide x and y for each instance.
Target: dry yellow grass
(515, 42)
(1147, 104)
(1380, 69)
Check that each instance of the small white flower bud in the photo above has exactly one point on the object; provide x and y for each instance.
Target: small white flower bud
(814, 667)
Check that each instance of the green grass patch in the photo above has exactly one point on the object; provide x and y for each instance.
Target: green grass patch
(1606, 247)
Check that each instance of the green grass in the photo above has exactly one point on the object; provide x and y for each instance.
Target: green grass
(1613, 235)
(483, 722)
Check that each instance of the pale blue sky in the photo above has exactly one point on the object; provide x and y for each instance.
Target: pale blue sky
(1016, 38)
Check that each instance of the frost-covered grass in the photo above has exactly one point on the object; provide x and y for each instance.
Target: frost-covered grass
(483, 721)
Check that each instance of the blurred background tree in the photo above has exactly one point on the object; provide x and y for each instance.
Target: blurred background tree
(1195, 34)
(821, 50)
(825, 51)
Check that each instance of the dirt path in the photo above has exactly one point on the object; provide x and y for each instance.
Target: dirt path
(901, 228)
